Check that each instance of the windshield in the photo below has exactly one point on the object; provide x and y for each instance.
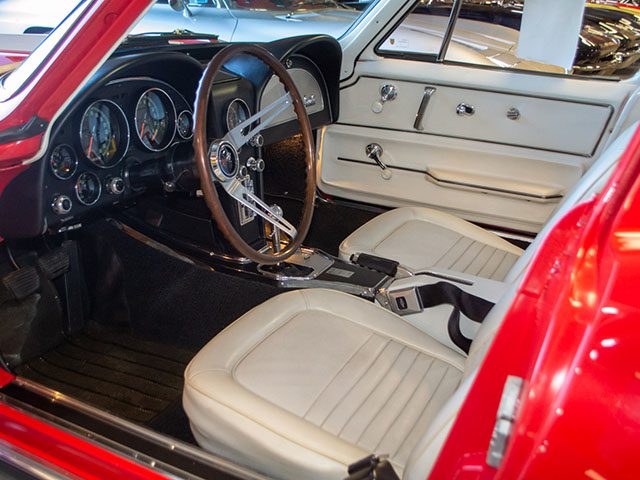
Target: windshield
(33, 28)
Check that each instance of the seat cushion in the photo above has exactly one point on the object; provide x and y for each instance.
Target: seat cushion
(422, 238)
(313, 380)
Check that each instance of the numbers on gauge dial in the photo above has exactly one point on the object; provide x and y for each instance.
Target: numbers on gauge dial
(104, 133)
(155, 119)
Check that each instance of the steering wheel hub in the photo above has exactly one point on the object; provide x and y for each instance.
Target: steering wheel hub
(224, 160)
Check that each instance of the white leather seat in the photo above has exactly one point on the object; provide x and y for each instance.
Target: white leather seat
(313, 380)
(422, 238)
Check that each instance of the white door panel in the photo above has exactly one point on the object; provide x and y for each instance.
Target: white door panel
(521, 186)
(485, 168)
(556, 125)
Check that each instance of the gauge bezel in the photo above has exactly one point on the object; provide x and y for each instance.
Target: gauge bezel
(127, 130)
(246, 106)
(75, 188)
(188, 112)
(75, 161)
(173, 118)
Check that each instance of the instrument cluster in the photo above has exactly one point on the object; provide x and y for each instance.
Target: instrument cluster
(128, 121)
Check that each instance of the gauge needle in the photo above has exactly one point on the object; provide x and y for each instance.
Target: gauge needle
(142, 130)
(155, 132)
(90, 146)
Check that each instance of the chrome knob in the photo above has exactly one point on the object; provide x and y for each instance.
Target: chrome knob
(61, 205)
(388, 93)
(257, 140)
(115, 186)
(464, 110)
(255, 165)
(374, 152)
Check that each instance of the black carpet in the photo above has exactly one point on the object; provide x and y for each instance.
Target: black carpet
(127, 376)
(174, 302)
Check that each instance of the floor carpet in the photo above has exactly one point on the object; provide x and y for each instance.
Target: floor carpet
(127, 376)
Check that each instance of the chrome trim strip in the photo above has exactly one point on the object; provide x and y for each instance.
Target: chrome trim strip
(173, 444)
(454, 183)
(426, 97)
(36, 467)
(448, 35)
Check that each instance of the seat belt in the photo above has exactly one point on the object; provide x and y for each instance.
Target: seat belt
(473, 307)
(415, 299)
(372, 467)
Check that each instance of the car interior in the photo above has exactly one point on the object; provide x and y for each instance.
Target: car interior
(215, 251)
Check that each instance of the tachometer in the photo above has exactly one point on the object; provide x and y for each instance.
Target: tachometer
(237, 112)
(63, 162)
(88, 188)
(155, 119)
(104, 133)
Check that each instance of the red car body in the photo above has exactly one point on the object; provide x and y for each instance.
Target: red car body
(572, 332)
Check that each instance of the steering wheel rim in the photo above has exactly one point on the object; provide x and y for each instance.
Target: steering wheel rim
(205, 161)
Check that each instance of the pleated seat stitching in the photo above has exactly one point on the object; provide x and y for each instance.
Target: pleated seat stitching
(386, 402)
(406, 403)
(356, 382)
(391, 364)
(422, 412)
(338, 373)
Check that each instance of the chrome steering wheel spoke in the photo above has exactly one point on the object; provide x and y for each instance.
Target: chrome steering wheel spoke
(266, 116)
(244, 196)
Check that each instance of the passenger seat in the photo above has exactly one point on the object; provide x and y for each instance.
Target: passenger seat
(422, 238)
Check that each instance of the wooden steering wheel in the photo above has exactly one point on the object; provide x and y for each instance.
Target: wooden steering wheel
(219, 163)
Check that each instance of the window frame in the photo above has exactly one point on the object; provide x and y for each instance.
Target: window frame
(440, 57)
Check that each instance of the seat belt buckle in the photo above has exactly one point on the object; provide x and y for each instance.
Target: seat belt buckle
(373, 467)
(404, 302)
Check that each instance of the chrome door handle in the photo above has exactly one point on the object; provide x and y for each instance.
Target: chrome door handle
(464, 110)
(426, 97)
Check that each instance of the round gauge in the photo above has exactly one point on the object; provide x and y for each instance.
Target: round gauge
(185, 124)
(155, 119)
(63, 162)
(88, 188)
(104, 133)
(237, 113)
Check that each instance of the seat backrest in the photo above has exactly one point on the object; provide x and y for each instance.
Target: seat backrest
(591, 183)
(426, 451)
(428, 448)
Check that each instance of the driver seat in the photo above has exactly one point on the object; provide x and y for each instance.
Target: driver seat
(313, 380)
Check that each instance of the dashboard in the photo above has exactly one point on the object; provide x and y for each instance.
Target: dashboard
(126, 122)
(128, 133)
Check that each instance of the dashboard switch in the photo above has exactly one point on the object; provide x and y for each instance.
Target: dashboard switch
(255, 165)
(61, 205)
(115, 186)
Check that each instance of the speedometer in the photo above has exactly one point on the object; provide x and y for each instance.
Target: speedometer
(104, 133)
(155, 119)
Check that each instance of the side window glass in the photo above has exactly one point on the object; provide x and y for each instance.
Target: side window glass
(487, 34)
(421, 32)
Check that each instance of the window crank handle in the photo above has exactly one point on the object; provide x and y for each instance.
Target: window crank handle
(374, 152)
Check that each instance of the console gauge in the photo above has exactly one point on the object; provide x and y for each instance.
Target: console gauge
(63, 162)
(88, 188)
(104, 133)
(155, 119)
(185, 124)
(237, 112)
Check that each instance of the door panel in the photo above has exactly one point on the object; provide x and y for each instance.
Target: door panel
(486, 167)
(520, 174)
(547, 124)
